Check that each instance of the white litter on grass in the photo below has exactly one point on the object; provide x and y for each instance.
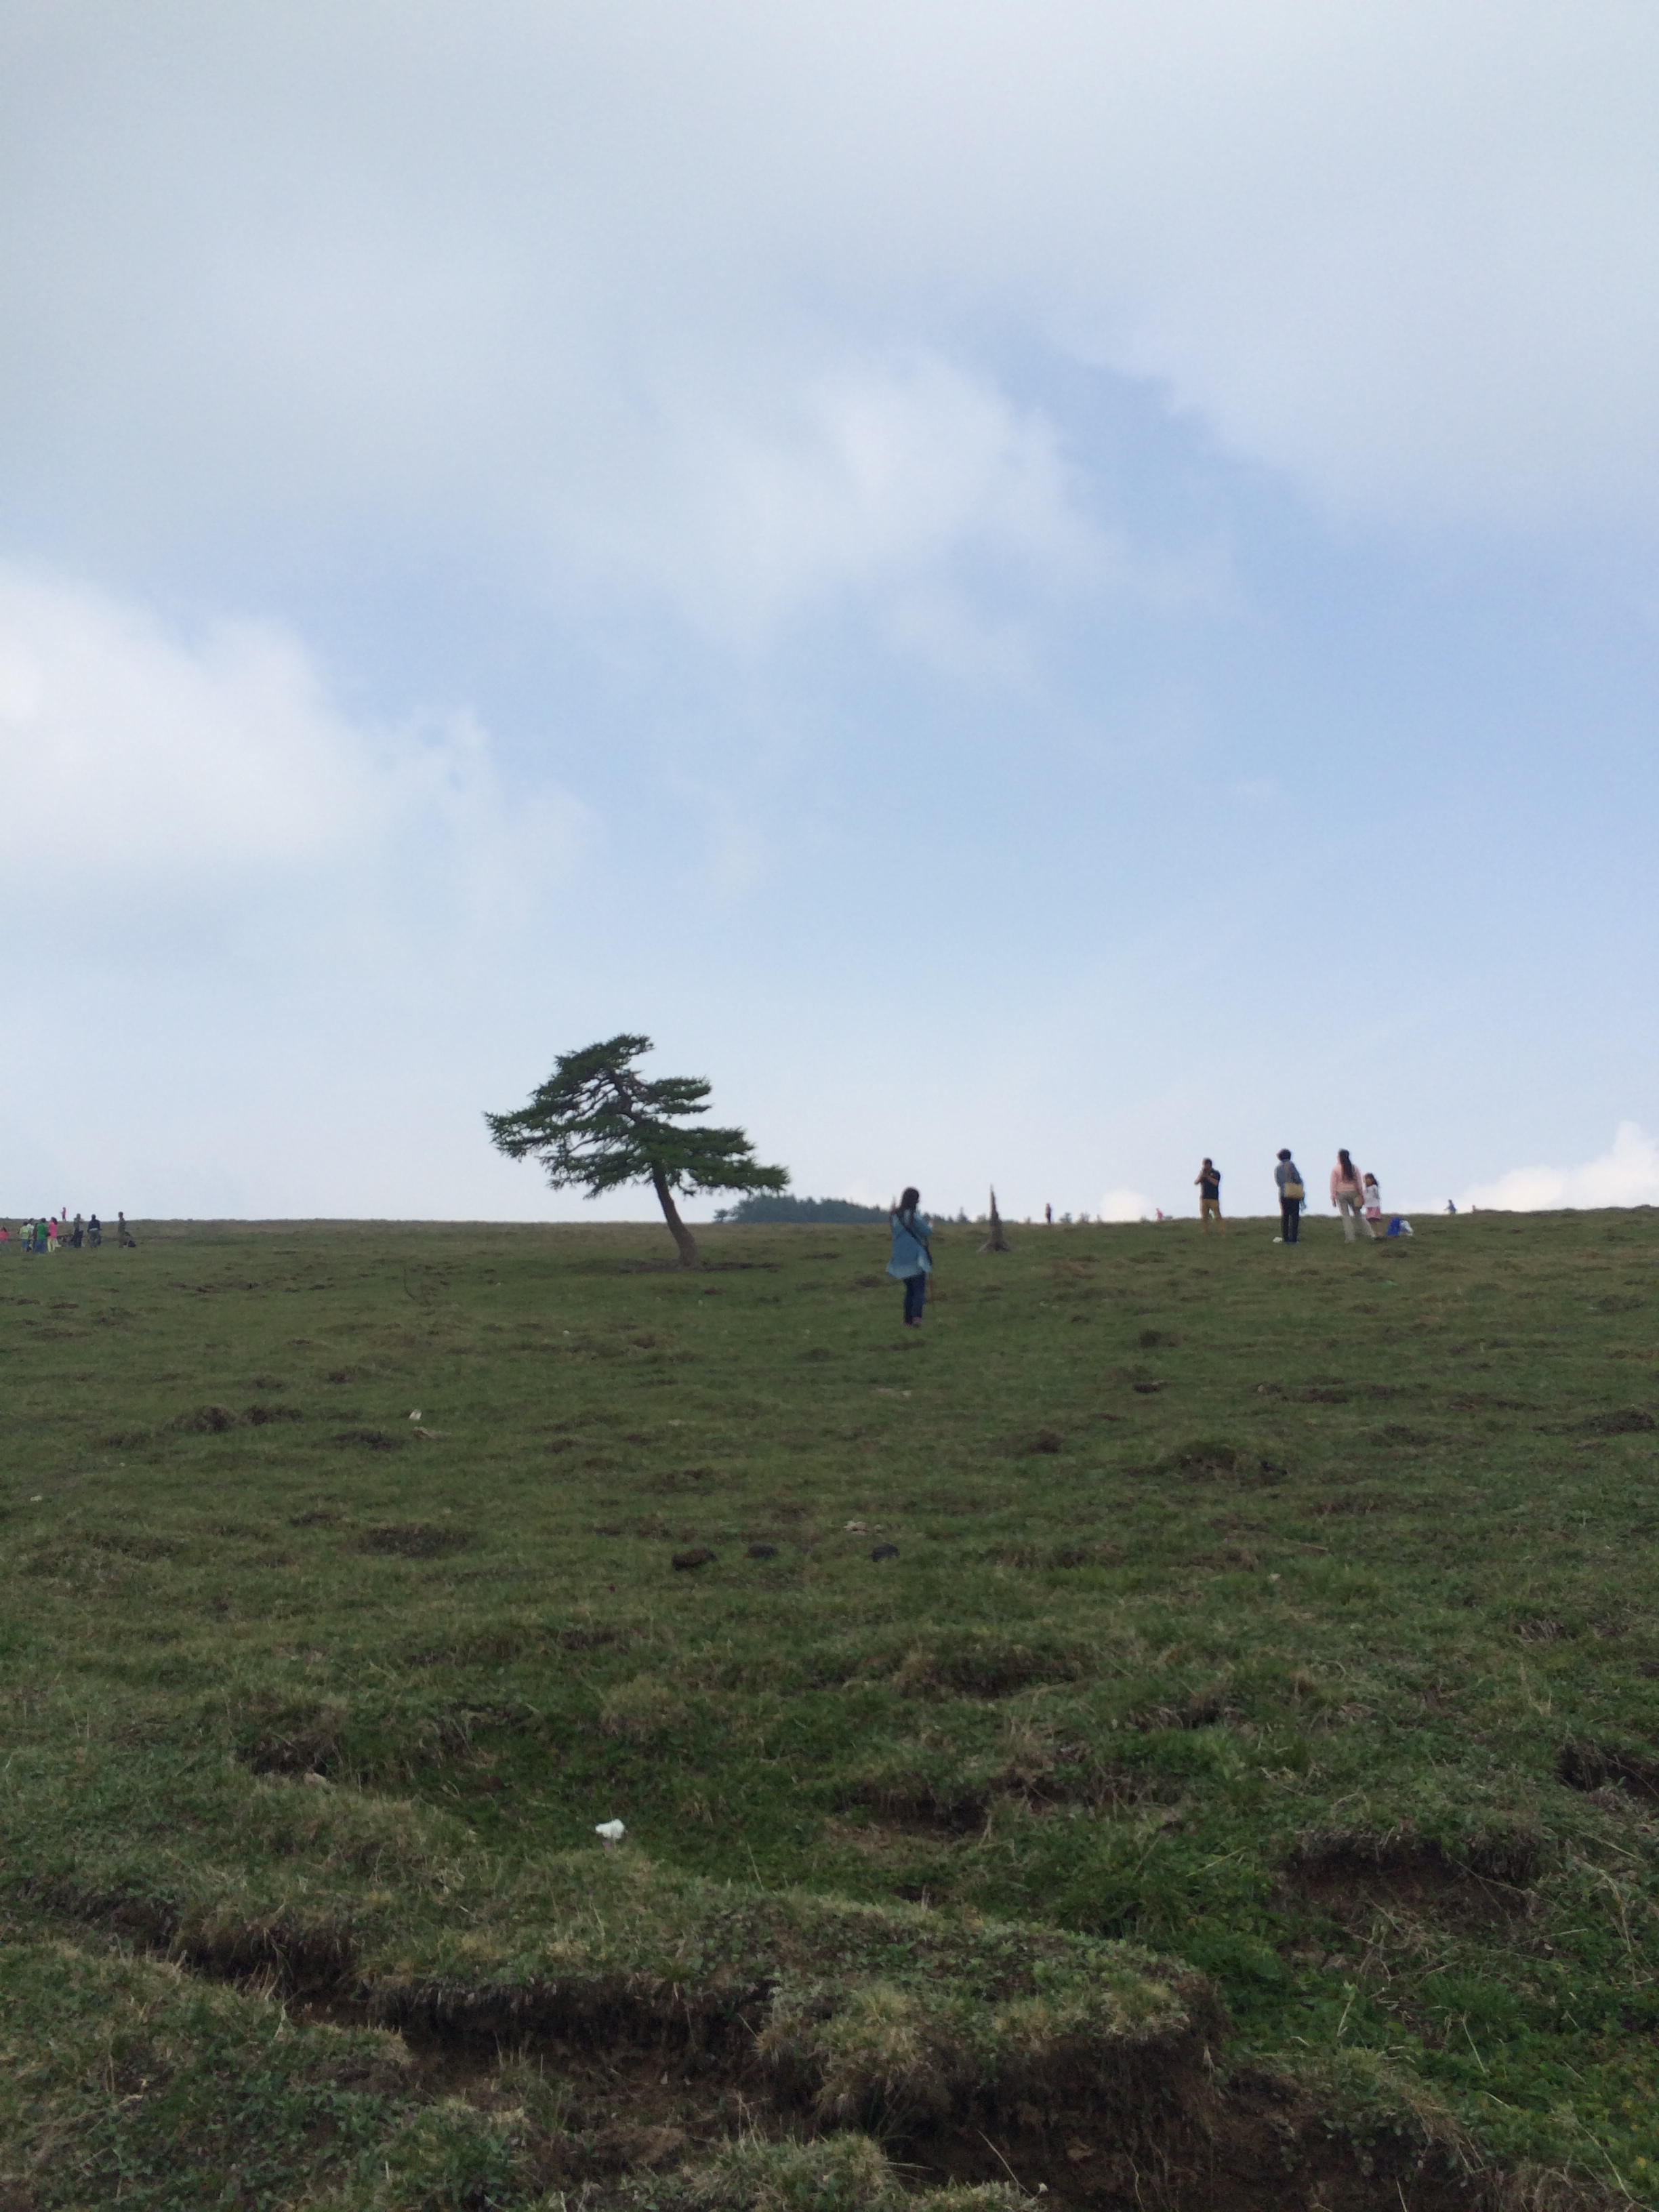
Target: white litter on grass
(609, 1832)
(416, 1415)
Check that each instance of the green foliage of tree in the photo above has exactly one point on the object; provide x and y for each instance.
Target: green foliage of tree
(597, 1124)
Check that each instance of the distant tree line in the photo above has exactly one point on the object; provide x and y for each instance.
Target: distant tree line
(769, 1205)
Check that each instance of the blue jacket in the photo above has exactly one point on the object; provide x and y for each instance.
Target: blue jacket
(910, 1248)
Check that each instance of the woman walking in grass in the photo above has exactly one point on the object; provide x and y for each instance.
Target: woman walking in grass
(1348, 1197)
(1291, 1192)
(913, 1260)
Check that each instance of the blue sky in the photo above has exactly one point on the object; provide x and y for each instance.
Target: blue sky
(1035, 590)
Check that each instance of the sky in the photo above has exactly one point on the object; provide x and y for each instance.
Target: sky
(1033, 590)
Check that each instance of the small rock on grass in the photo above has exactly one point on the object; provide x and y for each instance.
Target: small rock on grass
(698, 1556)
(885, 1551)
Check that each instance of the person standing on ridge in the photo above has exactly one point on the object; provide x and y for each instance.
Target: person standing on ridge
(1291, 1192)
(1208, 1179)
(1348, 1197)
(913, 1260)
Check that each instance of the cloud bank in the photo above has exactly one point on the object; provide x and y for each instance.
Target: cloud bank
(152, 771)
(1123, 1204)
(252, 941)
(1627, 1174)
(589, 291)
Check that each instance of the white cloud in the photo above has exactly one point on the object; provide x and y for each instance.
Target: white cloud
(140, 769)
(279, 955)
(611, 283)
(1125, 1204)
(867, 481)
(1625, 1175)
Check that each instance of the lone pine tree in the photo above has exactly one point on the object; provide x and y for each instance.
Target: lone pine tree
(597, 1124)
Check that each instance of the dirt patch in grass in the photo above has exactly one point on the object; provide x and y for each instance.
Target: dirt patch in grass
(1352, 1879)
(685, 1478)
(1055, 1556)
(1353, 1503)
(1203, 1709)
(297, 1738)
(1623, 1421)
(490, 1647)
(1545, 1628)
(985, 1664)
(1257, 2145)
(133, 1543)
(204, 1421)
(412, 1539)
(1214, 1458)
(370, 1439)
(912, 1797)
(1589, 1766)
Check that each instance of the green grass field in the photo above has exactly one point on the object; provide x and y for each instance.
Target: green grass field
(1237, 1791)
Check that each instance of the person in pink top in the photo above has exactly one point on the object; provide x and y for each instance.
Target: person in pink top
(1348, 1197)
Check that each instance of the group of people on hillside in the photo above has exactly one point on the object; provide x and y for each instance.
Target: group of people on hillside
(49, 1231)
(1358, 1198)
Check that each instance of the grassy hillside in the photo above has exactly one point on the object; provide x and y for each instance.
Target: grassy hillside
(1236, 1787)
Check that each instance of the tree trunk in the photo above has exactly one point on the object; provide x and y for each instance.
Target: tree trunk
(996, 1242)
(671, 1213)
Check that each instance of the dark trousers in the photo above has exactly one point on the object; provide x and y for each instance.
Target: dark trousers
(915, 1290)
(1290, 1217)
